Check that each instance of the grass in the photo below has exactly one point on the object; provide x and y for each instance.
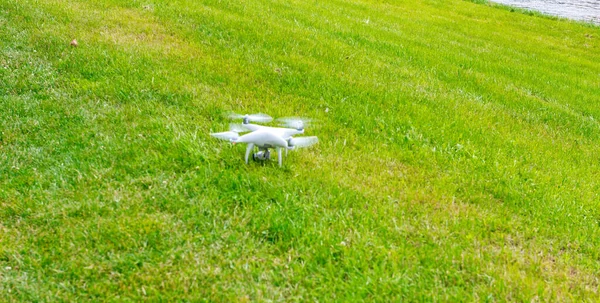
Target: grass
(458, 154)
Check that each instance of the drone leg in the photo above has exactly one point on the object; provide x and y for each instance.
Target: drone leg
(248, 150)
(279, 155)
(286, 152)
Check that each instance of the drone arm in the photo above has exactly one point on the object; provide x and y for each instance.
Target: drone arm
(248, 150)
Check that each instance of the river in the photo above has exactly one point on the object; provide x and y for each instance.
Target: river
(586, 10)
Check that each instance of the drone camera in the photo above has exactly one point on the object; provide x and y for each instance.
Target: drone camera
(261, 156)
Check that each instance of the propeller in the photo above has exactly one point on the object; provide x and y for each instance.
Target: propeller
(238, 128)
(294, 122)
(228, 136)
(260, 118)
(302, 141)
(232, 134)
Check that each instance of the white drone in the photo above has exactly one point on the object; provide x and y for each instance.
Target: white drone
(265, 137)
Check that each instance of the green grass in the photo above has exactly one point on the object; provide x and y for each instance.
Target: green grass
(458, 156)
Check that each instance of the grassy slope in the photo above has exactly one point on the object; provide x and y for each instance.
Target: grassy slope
(458, 155)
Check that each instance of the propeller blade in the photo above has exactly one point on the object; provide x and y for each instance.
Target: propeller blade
(303, 141)
(228, 136)
(238, 128)
(260, 118)
(294, 122)
(234, 116)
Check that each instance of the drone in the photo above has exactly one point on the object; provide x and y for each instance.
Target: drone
(266, 137)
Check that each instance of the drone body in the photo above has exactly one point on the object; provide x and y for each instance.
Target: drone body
(265, 137)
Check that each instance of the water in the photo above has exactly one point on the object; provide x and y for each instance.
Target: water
(586, 10)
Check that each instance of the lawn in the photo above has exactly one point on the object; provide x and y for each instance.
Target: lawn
(458, 157)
